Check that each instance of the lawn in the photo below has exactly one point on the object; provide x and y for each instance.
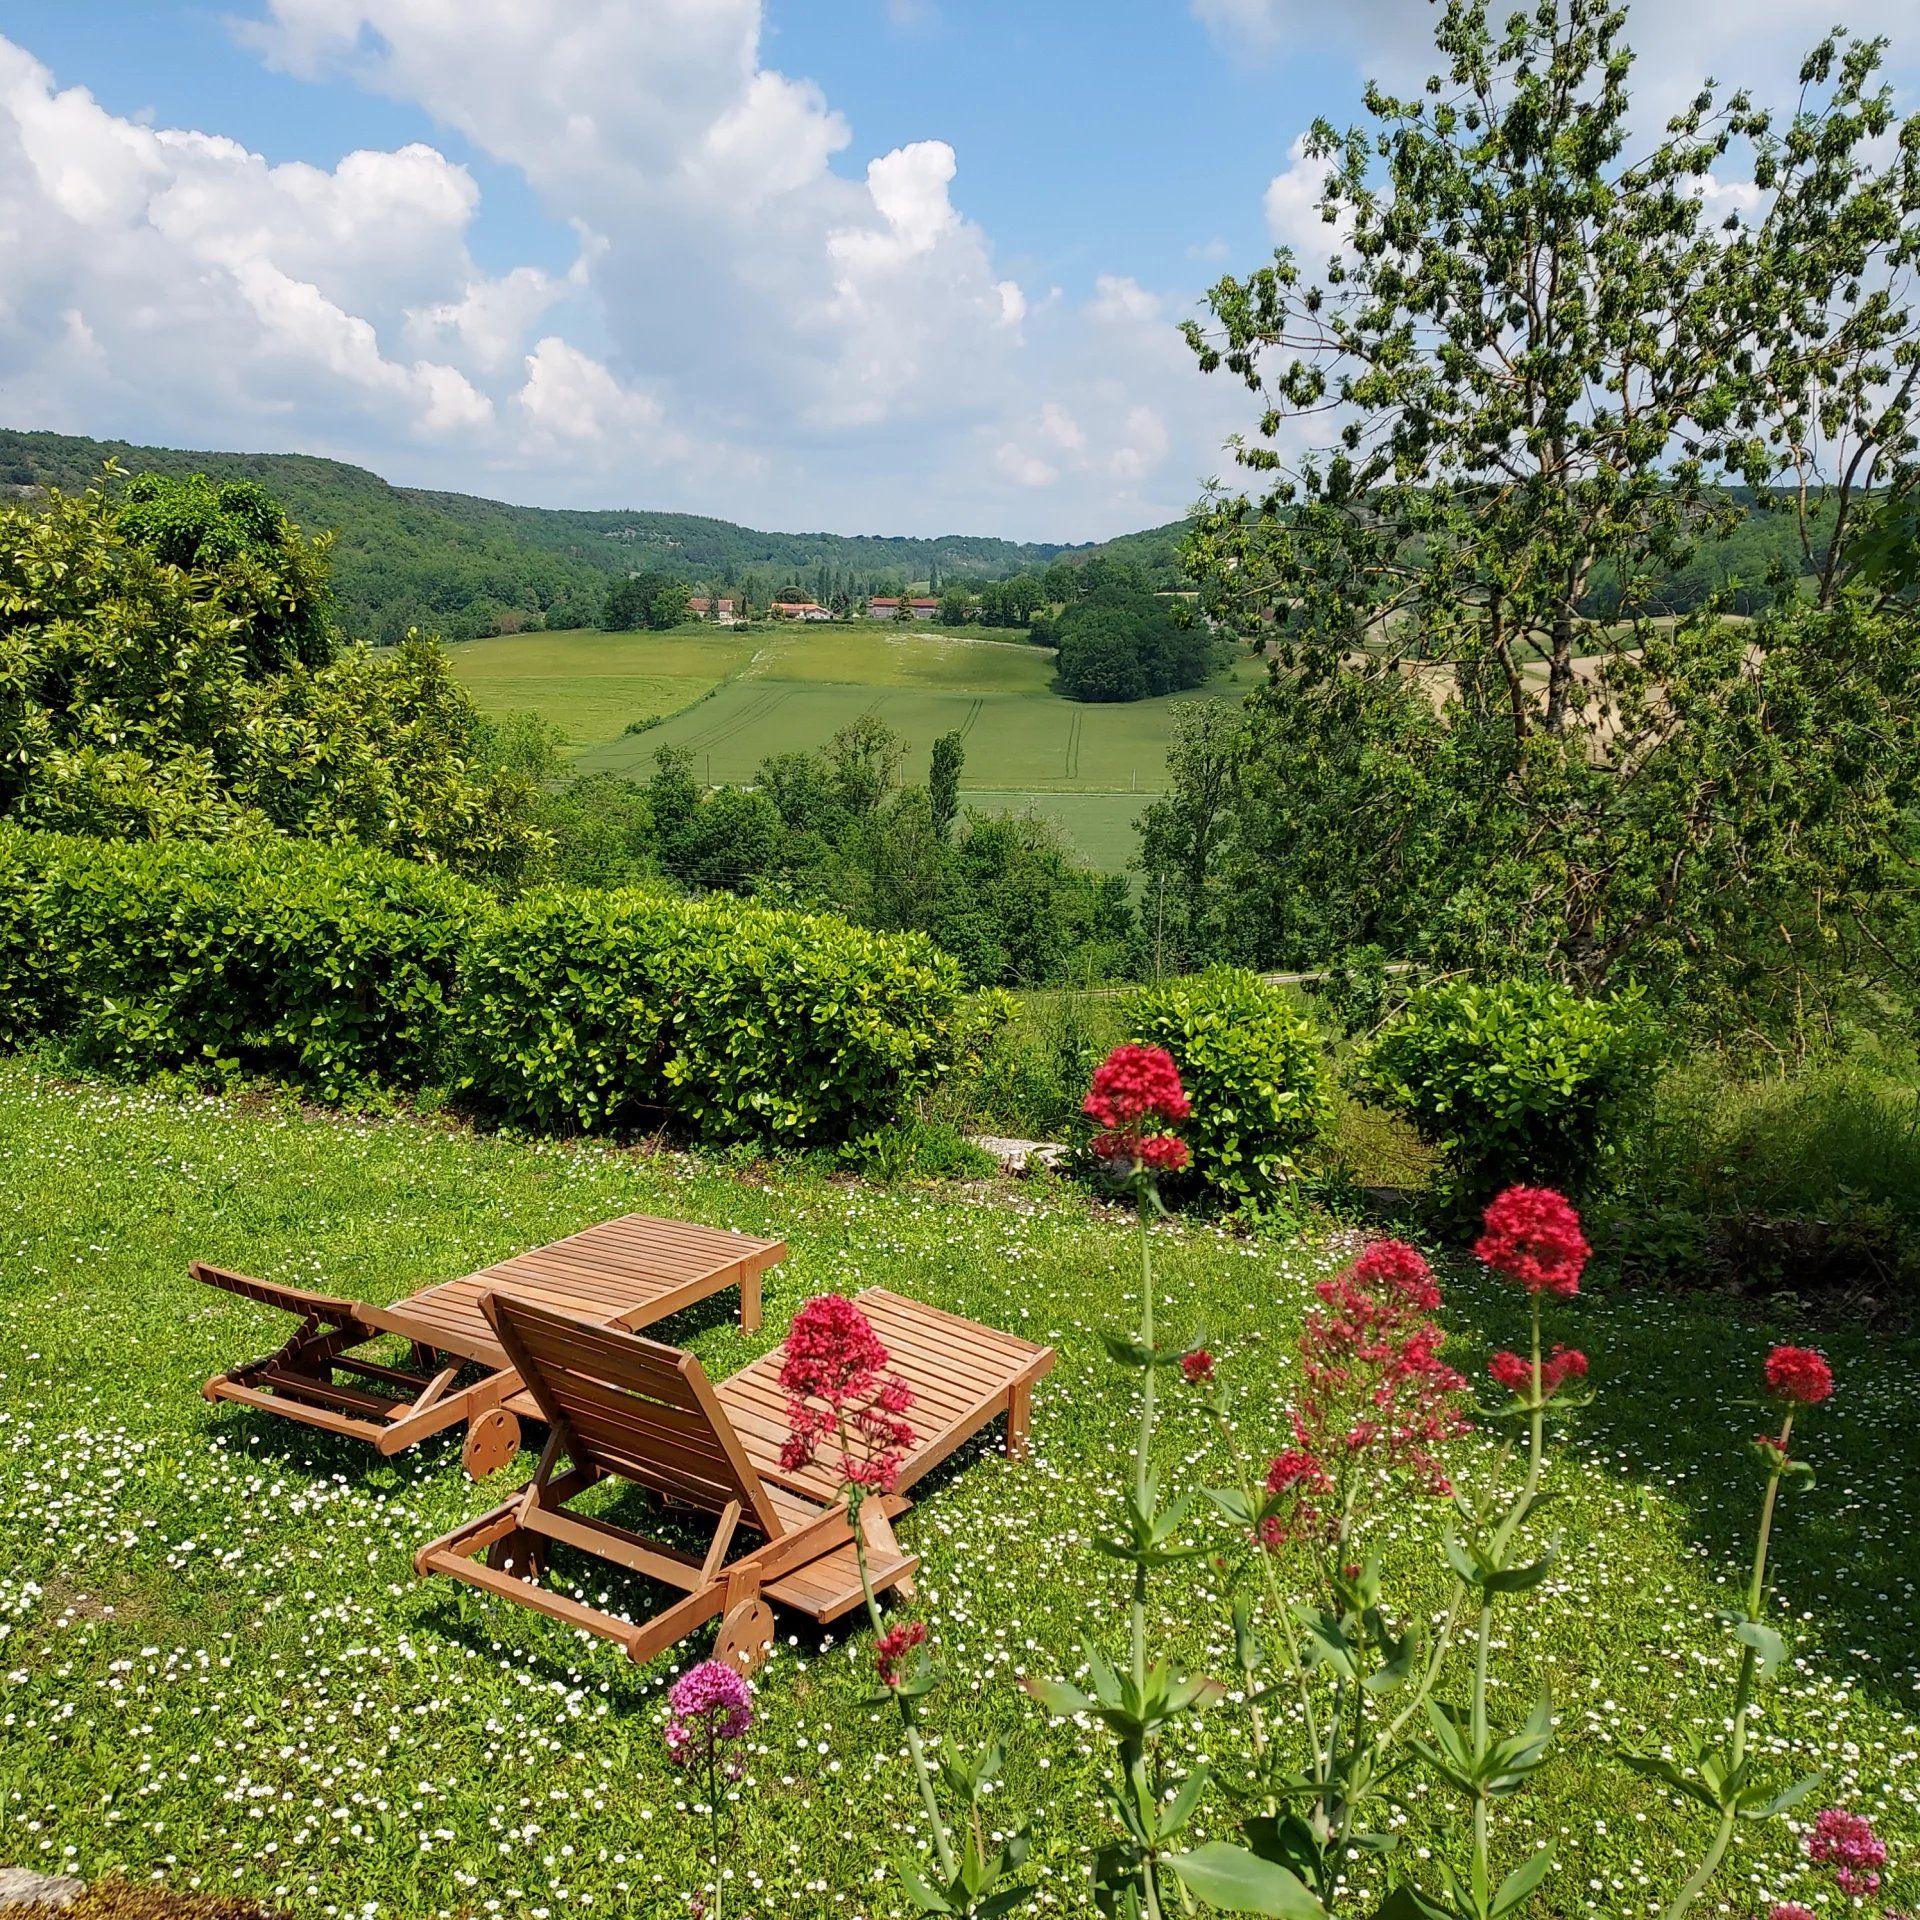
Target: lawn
(773, 691)
(220, 1668)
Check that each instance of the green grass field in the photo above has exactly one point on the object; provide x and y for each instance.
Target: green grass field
(221, 1670)
(1090, 769)
(591, 684)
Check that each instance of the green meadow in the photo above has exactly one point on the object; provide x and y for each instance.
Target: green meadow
(731, 700)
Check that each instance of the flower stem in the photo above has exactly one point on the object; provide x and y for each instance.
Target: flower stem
(942, 1841)
(1743, 1686)
(1134, 1756)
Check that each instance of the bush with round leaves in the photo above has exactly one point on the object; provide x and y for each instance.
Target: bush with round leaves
(1511, 1080)
(326, 966)
(632, 1006)
(1252, 1066)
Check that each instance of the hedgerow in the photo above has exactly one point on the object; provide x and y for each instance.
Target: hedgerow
(595, 1009)
(347, 973)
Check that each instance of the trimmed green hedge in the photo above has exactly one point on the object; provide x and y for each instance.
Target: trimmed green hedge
(345, 972)
(1251, 1064)
(590, 1009)
(1512, 1080)
(330, 968)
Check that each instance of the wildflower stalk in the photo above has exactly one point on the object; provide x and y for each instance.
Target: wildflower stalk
(1696, 1883)
(1134, 1750)
(1502, 1540)
(713, 1823)
(923, 1770)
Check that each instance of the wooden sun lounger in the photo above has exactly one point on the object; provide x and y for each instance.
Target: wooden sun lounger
(621, 1406)
(623, 1273)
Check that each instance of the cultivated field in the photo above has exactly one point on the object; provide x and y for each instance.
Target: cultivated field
(1090, 769)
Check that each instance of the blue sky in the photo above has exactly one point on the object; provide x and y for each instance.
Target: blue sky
(891, 265)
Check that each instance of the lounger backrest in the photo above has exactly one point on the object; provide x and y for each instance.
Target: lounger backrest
(632, 1406)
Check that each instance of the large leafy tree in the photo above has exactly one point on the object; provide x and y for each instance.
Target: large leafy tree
(1542, 374)
(137, 700)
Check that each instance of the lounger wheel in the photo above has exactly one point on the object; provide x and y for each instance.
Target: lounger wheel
(745, 1637)
(493, 1438)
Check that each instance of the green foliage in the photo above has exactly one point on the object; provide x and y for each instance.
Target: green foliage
(1117, 643)
(249, 556)
(326, 967)
(1511, 1080)
(1808, 1181)
(346, 973)
(1027, 1080)
(1252, 1067)
(1551, 382)
(597, 1010)
(132, 705)
(650, 599)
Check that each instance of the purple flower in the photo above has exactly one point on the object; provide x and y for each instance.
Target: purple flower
(712, 1706)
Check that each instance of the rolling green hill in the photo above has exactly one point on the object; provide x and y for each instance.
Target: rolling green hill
(404, 556)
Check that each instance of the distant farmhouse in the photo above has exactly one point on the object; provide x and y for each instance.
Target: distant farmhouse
(799, 610)
(924, 606)
(721, 612)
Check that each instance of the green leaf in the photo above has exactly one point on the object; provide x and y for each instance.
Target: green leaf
(1237, 1881)
(1521, 1882)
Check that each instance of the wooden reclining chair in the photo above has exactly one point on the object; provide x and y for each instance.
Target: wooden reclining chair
(622, 1406)
(624, 1273)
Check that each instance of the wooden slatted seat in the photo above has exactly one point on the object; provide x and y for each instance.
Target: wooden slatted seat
(624, 1273)
(623, 1406)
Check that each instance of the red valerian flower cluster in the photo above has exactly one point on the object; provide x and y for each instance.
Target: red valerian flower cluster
(1514, 1371)
(1136, 1093)
(1159, 1152)
(1532, 1236)
(1197, 1367)
(1798, 1376)
(1134, 1084)
(1788, 1911)
(893, 1646)
(835, 1378)
(1847, 1843)
(1378, 1395)
(1298, 1474)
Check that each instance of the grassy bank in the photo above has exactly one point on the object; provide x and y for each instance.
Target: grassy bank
(220, 1668)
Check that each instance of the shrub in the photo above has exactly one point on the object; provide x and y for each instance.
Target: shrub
(1510, 1080)
(1251, 1064)
(325, 966)
(594, 1010)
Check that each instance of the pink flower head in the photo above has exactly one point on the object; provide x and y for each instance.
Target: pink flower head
(1134, 1152)
(1400, 1269)
(1788, 1911)
(712, 1706)
(1798, 1376)
(838, 1389)
(1514, 1371)
(893, 1646)
(1370, 1355)
(1847, 1843)
(1133, 1084)
(1197, 1367)
(1532, 1236)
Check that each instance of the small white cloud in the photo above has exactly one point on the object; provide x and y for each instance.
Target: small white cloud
(1013, 303)
(1118, 296)
(1212, 250)
(1143, 447)
(1292, 207)
(1022, 468)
